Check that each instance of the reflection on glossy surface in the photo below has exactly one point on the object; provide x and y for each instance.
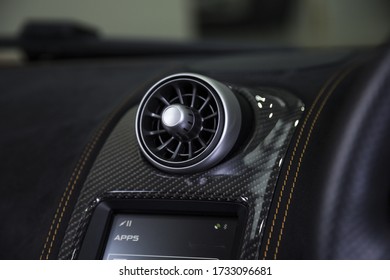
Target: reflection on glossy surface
(248, 175)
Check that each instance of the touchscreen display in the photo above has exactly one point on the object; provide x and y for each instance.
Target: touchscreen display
(143, 236)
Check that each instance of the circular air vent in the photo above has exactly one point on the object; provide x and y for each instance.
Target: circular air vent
(187, 123)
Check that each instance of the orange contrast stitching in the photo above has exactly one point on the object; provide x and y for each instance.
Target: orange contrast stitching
(331, 91)
(61, 201)
(78, 169)
(291, 161)
(87, 153)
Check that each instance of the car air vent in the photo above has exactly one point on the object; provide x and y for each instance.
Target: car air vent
(187, 123)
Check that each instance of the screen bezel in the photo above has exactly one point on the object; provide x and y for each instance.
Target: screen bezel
(99, 227)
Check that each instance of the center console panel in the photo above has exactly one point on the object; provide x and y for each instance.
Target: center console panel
(130, 209)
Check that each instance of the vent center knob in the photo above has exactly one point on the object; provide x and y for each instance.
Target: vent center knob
(178, 120)
(174, 115)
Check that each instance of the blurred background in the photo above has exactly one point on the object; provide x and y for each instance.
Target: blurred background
(308, 23)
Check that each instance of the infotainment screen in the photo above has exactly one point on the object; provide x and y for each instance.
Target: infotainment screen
(141, 237)
(151, 229)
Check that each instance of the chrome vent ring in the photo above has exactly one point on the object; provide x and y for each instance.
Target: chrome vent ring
(187, 123)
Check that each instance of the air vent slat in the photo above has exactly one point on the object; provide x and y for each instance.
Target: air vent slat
(163, 100)
(201, 142)
(189, 149)
(193, 96)
(153, 115)
(174, 156)
(211, 116)
(204, 104)
(155, 132)
(178, 91)
(166, 143)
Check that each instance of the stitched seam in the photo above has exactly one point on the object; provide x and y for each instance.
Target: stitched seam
(88, 150)
(291, 160)
(331, 91)
(61, 201)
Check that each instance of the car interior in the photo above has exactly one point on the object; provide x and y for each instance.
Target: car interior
(263, 136)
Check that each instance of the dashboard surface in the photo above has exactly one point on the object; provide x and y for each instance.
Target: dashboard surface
(61, 120)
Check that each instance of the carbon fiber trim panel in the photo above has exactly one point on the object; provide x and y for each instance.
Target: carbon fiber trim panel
(248, 175)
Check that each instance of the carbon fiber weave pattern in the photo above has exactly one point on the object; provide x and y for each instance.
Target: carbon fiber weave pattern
(248, 175)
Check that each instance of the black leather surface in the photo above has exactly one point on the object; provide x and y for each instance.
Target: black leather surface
(355, 216)
(333, 199)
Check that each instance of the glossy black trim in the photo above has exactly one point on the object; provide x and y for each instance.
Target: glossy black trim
(97, 233)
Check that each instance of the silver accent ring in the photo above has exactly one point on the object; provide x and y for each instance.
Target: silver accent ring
(230, 110)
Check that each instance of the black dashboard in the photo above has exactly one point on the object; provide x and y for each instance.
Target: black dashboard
(236, 156)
